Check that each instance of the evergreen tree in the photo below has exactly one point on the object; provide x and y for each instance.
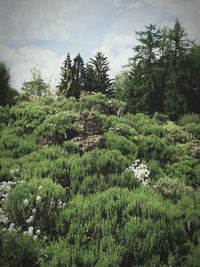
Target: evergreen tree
(78, 76)
(7, 93)
(89, 84)
(65, 86)
(101, 77)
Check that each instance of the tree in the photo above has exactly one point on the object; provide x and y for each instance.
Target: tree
(72, 77)
(7, 93)
(89, 84)
(78, 76)
(101, 68)
(37, 86)
(65, 86)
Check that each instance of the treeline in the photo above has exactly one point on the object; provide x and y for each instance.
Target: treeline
(76, 77)
(163, 75)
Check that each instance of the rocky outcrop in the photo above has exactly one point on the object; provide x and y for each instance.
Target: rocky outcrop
(194, 151)
(89, 143)
(89, 123)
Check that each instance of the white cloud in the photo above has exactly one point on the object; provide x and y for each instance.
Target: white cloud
(128, 4)
(118, 49)
(22, 60)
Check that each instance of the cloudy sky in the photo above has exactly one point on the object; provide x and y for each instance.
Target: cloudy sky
(39, 33)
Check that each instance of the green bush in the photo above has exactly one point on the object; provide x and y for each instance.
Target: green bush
(186, 169)
(194, 129)
(118, 228)
(57, 128)
(172, 189)
(71, 147)
(35, 203)
(121, 143)
(18, 250)
(189, 118)
(153, 147)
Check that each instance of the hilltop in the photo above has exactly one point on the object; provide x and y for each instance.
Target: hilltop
(86, 183)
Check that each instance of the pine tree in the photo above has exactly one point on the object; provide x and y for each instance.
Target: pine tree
(101, 77)
(65, 86)
(78, 76)
(89, 84)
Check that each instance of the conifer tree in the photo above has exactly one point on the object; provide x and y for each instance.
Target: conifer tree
(78, 76)
(101, 77)
(65, 86)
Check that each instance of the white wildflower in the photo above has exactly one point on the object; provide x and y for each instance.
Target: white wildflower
(30, 231)
(26, 202)
(30, 219)
(38, 199)
(35, 237)
(40, 187)
(34, 211)
(38, 232)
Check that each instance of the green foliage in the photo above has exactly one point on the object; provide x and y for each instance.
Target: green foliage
(153, 147)
(7, 93)
(57, 128)
(18, 250)
(44, 196)
(172, 189)
(194, 129)
(189, 118)
(101, 223)
(125, 146)
(71, 147)
(37, 86)
(186, 169)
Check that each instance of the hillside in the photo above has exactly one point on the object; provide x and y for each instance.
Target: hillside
(84, 183)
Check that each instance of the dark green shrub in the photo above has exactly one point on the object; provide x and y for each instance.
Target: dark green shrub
(186, 169)
(194, 129)
(121, 143)
(17, 146)
(153, 147)
(18, 250)
(111, 227)
(57, 128)
(189, 118)
(71, 147)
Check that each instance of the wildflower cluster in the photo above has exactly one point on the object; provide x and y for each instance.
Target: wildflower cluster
(140, 171)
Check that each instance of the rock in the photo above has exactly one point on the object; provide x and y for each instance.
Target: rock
(114, 130)
(89, 123)
(194, 151)
(89, 142)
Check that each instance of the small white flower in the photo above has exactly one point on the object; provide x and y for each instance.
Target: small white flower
(5, 220)
(30, 219)
(38, 232)
(26, 202)
(40, 187)
(35, 237)
(38, 199)
(30, 231)
(33, 211)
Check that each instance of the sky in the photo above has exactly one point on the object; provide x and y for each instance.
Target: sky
(40, 33)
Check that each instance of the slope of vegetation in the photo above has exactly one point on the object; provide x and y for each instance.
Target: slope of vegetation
(83, 183)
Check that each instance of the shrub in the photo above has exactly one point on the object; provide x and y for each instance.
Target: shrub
(121, 143)
(18, 250)
(189, 118)
(172, 189)
(153, 147)
(71, 147)
(57, 128)
(186, 169)
(35, 203)
(111, 227)
(194, 129)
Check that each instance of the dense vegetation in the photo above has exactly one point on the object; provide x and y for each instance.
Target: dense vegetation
(69, 198)
(91, 180)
